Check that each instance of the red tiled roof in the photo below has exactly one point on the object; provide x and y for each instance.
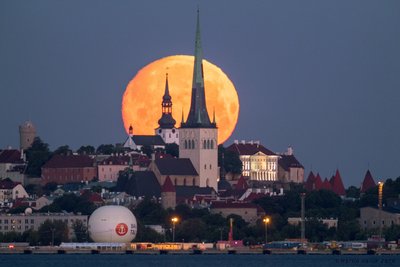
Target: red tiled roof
(326, 185)
(10, 156)
(249, 149)
(337, 184)
(241, 184)
(7, 184)
(368, 182)
(70, 161)
(168, 186)
(318, 182)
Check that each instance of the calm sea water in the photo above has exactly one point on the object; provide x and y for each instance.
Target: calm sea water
(197, 260)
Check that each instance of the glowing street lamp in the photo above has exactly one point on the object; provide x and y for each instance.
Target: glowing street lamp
(174, 220)
(380, 196)
(266, 221)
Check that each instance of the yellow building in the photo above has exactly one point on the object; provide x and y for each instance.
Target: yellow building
(258, 162)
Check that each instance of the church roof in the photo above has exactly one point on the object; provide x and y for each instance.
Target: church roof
(337, 184)
(368, 182)
(167, 121)
(146, 185)
(289, 161)
(174, 166)
(241, 184)
(249, 149)
(190, 191)
(148, 140)
(198, 115)
(326, 185)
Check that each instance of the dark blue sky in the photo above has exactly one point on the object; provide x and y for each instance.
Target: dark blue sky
(322, 76)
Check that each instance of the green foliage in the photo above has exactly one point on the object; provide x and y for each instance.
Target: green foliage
(172, 149)
(349, 230)
(150, 212)
(80, 231)
(232, 162)
(63, 150)
(147, 150)
(37, 155)
(70, 203)
(105, 149)
(50, 231)
(86, 150)
(146, 234)
(353, 192)
(392, 233)
(192, 229)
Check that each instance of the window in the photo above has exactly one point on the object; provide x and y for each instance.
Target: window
(210, 167)
(212, 144)
(186, 144)
(32, 221)
(194, 183)
(205, 166)
(5, 221)
(205, 144)
(184, 181)
(192, 144)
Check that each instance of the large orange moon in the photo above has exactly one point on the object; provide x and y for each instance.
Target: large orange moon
(141, 102)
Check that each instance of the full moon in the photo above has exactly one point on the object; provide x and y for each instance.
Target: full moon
(141, 102)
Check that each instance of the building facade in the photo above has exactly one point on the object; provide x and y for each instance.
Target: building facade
(371, 218)
(63, 169)
(258, 162)
(27, 134)
(23, 222)
(198, 136)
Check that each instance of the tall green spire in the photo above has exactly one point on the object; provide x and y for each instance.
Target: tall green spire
(198, 115)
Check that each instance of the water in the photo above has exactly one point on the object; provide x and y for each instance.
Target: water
(88, 260)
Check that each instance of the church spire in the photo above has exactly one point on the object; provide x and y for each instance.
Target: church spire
(198, 115)
(166, 120)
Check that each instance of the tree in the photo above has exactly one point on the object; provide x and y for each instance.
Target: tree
(53, 232)
(37, 155)
(63, 150)
(70, 203)
(147, 150)
(150, 212)
(191, 230)
(172, 149)
(80, 231)
(232, 162)
(86, 150)
(146, 234)
(107, 149)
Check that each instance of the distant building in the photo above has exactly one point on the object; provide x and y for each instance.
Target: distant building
(11, 191)
(62, 169)
(12, 165)
(180, 171)
(23, 222)
(137, 142)
(335, 184)
(371, 218)
(259, 163)
(27, 134)
(168, 194)
(248, 211)
(330, 223)
(290, 169)
(166, 129)
(109, 168)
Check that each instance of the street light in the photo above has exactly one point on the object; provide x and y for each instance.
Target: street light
(380, 195)
(266, 221)
(174, 220)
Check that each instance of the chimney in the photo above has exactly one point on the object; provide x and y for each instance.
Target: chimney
(290, 151)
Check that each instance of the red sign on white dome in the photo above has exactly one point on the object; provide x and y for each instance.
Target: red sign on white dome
(121, 229)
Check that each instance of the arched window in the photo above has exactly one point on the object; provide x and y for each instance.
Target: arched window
(192, 144)
(207, 182)
(208, 144)
(212, 144)
(189, 144)
(194, 181)
(186, 145)
(184, 181)
(205, 144)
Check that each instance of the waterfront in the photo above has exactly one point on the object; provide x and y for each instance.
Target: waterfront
(99, 260)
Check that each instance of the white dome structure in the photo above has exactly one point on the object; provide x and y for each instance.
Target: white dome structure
(113, 224)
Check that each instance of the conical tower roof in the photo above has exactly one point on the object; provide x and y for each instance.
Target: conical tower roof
(198, 115)
(337, 184)
(326, 184)
(310, 181)
(368, 182)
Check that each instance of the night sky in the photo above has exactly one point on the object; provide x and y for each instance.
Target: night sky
(321, 76)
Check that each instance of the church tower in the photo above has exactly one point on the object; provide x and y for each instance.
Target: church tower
(27, 134)
(166, 123)
(198, 135)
